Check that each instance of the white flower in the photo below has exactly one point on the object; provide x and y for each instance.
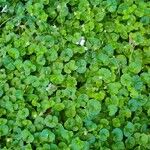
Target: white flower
(100, 77)
(83, 27)
(105, 87)
(85, 48)
(85, 132)
(54, 26)
(8, 139)
(81, 41)
(41, 113)
(58, 7)
(50, 86)
(4, 9)
(27, 43)
(35, 115)
(18, 23)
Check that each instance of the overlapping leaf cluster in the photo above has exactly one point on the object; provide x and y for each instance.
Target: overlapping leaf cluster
(58, 94)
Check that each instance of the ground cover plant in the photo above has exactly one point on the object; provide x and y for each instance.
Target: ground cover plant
(74, 74)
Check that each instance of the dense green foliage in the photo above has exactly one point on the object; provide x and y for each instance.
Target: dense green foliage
(74, 74)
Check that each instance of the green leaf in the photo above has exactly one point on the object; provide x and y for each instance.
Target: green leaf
(81, 66)
(114, 87)
(112, 109)
(99, 12)
(51, 121)
(70, 110)
(129, 129)
(117, 134)
(8, 63)
(118, 146)
(19, 94)
(57, 78)
(77, 144)
(52, 55)
(93, 108)
(130, 142)
(144, 139)
(59, 107)
(126, 79)
(133, 104)
(70, 66)
(39, 123)
(105, 74)
(14, 53)
(104, 134)
(47, 136)
(66, 54)
(23, 113)
(1, 92)
(135, 67)
(4, 130)
(27, 136)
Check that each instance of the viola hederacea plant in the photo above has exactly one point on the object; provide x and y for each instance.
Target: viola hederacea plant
(74, 74)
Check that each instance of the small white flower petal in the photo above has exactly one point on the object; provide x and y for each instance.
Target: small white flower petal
(41, 113)
(85, 132)
(47, 89)
(54, 26)
(100, 77)
(77, 43)
(82, 42)
(86, 48)
(8, 139)
(50, 86)
(4, 9)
